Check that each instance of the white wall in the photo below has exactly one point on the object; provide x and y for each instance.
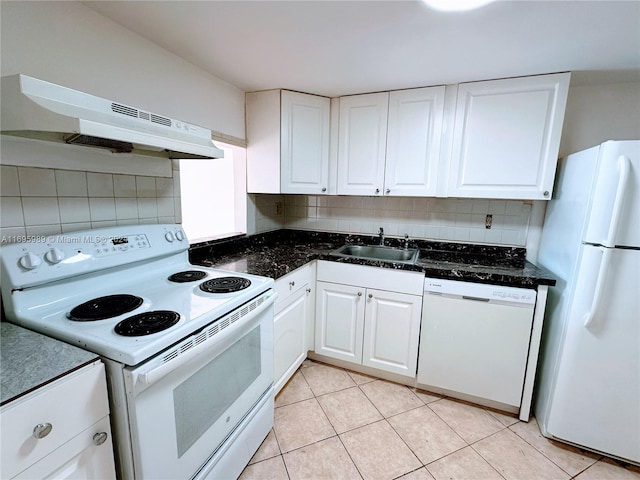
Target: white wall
(599, 112)
(446, 219)
(70, 44)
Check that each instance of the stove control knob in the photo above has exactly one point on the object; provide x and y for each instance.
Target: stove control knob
(55, 255)
(30, 261)
(169, 236)
(179, 235)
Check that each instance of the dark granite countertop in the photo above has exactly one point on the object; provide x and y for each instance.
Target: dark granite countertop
(274, 254)
(29, 360)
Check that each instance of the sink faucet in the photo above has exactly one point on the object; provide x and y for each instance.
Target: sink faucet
(381, 235)
(406, 241)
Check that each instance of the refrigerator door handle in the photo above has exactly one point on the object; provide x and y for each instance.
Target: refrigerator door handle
(624, 167)
(605, 261)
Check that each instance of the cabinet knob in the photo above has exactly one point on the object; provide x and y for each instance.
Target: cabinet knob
(292, 284)
(324, 189)
(359, 294)
(377, 190)
(546, 193)
(99, 438)
(388, 191)
(42, 430)
(371, 295)
(308, 290)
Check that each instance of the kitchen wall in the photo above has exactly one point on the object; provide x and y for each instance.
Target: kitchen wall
(48, 201)
(449, 219)
(597, 112)
(70, 44)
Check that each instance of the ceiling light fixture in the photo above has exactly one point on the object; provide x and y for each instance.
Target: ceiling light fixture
(456, 5)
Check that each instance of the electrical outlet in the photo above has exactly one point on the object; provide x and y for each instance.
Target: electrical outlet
(488, 221)
(279, 208)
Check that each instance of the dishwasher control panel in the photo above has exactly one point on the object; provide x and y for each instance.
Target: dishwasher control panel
(480, 291)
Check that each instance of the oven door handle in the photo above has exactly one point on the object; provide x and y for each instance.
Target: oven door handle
(148, 378)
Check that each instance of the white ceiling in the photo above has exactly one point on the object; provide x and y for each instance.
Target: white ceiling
(335, 48)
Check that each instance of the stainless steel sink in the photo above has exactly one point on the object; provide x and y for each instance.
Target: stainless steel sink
(373, 252)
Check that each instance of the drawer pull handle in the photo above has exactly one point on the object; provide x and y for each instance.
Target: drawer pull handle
(42, 430)
(99, 438)
(291, 284)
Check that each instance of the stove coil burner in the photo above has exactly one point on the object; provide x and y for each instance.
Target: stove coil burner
(187, 276)
(147, 323)
(104, 307)
(225, 285)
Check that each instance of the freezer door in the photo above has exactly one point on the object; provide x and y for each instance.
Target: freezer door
(615, 210)
(597, 389)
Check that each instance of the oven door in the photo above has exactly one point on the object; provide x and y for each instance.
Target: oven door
(186, 401)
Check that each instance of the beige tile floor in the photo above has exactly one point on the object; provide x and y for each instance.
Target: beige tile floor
(331, 423)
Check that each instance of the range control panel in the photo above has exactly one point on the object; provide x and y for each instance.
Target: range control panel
(480, 291)
(116, 245)
(36, 259)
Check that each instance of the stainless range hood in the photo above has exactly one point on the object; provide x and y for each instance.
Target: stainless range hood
(37, 109)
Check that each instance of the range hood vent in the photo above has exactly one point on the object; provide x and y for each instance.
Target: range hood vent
(37, 109)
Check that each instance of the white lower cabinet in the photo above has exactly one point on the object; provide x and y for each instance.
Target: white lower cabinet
(339, 321)
(293, 322)
(79, 458)
(60, 430)
(391, 331)
(363, 321)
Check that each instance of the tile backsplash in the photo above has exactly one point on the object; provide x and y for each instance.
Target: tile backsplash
(449, 219)
(47, 201)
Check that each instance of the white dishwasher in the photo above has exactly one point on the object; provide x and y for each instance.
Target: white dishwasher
(474, 341)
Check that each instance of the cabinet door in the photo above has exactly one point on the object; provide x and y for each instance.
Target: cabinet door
(507, 136)
(304, 143)
(339, 321)
(413, 141)
(289, 332)
(362, 144)
(391, 332)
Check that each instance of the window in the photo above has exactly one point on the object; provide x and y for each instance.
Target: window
(213, 195)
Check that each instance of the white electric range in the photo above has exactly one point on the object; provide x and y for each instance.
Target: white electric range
(188, 349)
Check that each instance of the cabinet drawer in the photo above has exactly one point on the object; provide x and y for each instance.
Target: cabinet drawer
(71, 405)
(372, 277)
(290, 284)
(81, 457)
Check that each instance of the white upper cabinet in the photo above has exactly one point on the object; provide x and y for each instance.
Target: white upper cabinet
(413, 141)
(507, 136)
(389, 143)
(287, 142)
(490, 139)
(362, 143)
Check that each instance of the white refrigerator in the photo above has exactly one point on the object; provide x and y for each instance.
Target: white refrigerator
(588, 389)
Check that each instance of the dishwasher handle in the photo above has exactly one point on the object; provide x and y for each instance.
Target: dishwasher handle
(475, 299)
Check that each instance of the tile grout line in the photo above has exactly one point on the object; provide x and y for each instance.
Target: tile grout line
(423, 465)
